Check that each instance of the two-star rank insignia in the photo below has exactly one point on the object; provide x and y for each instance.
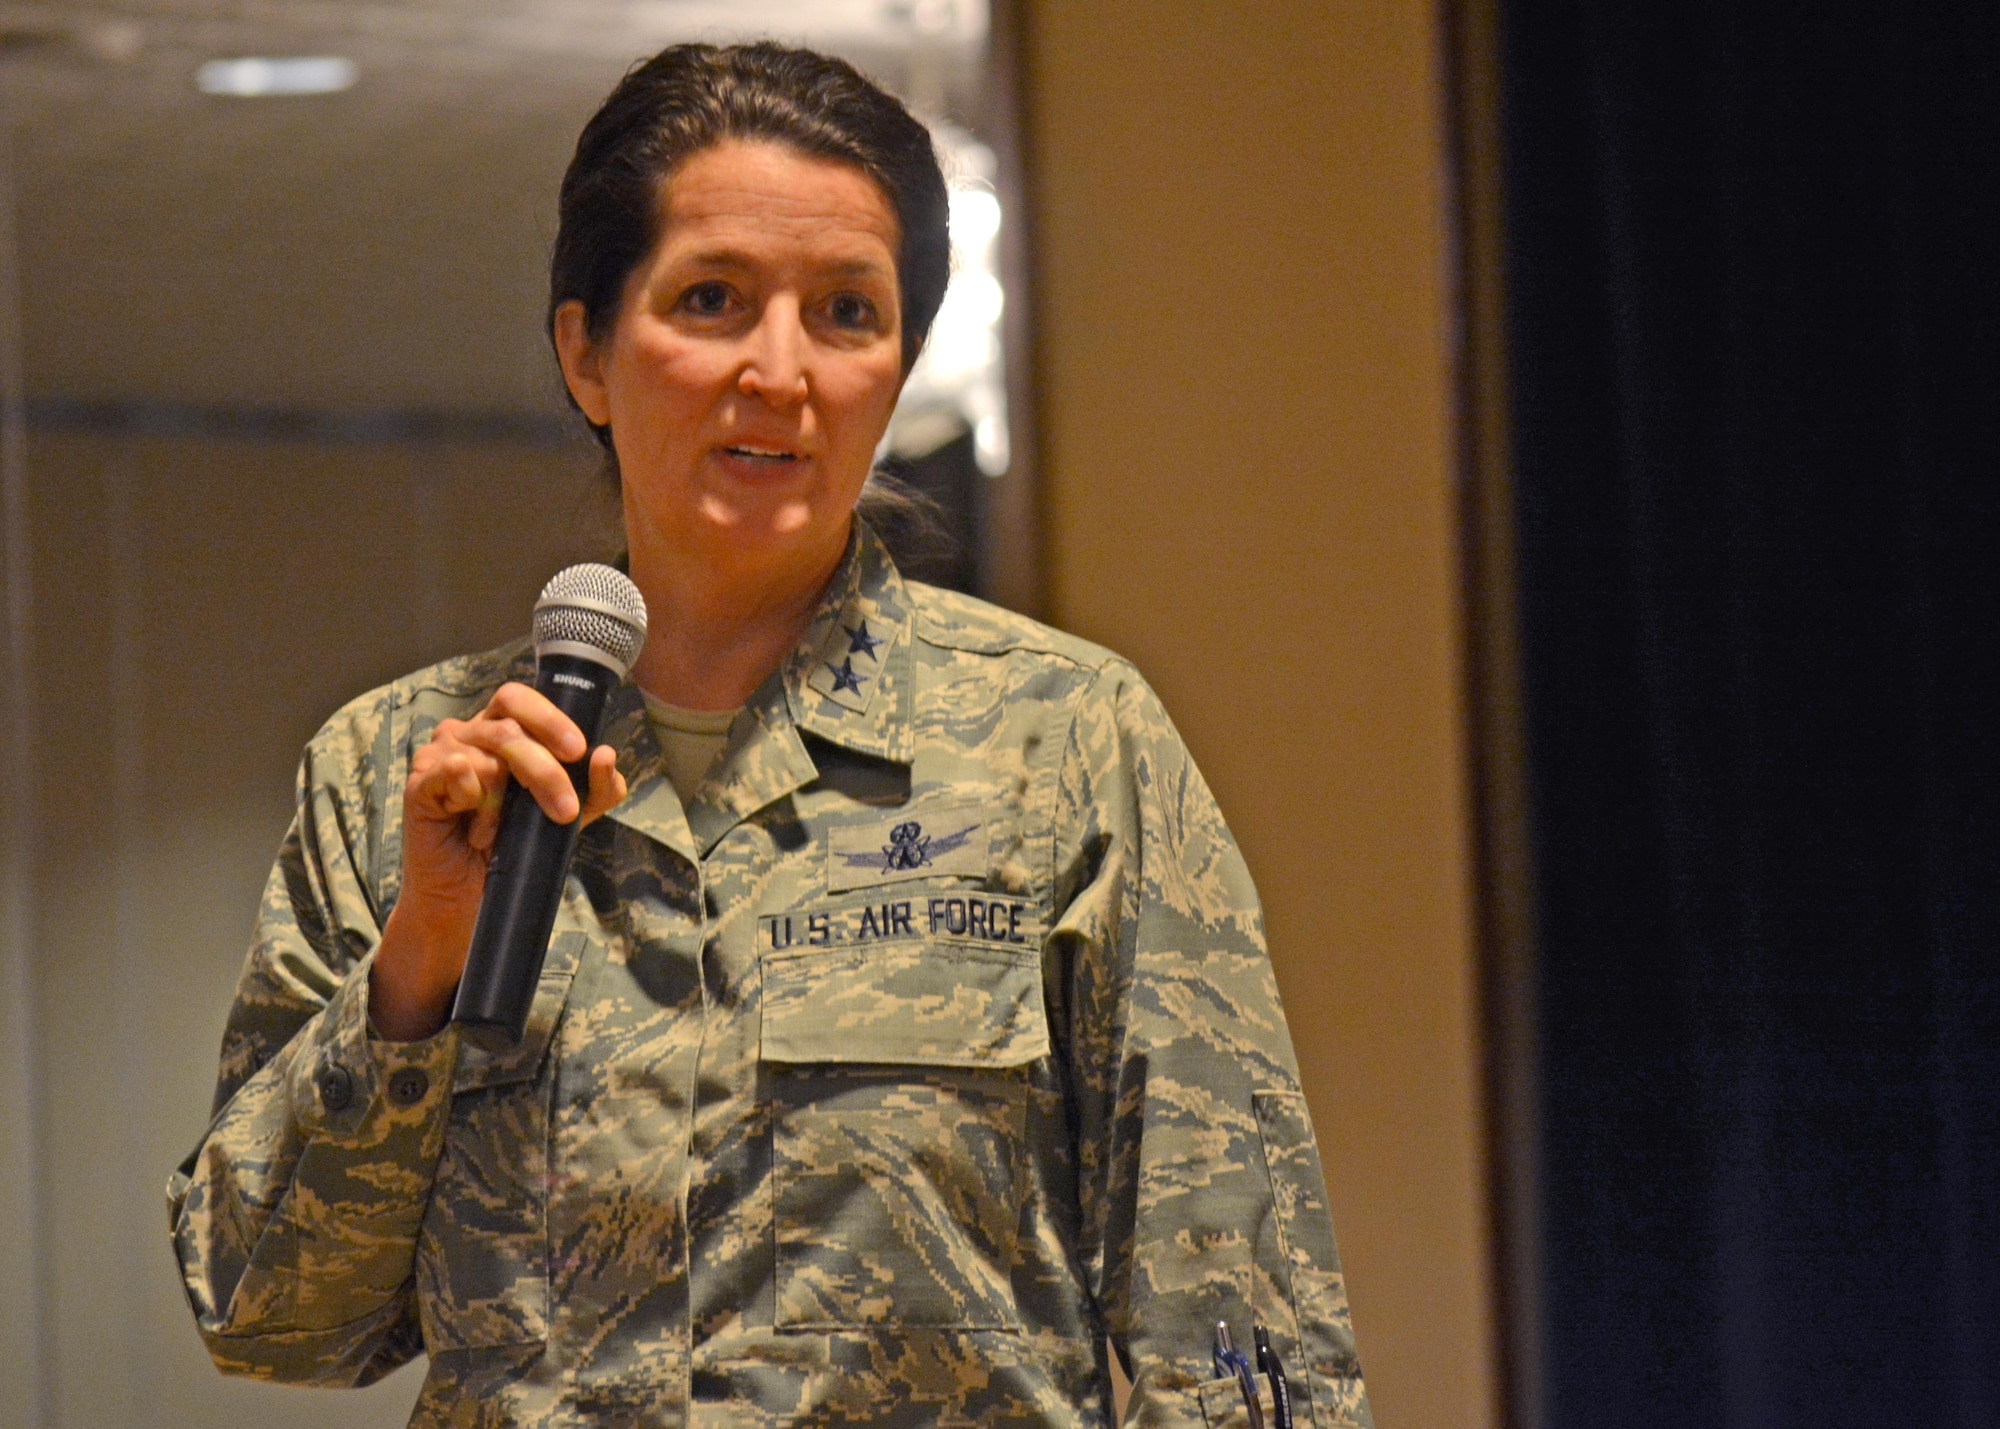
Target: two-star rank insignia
(852, 676)
(844, 677)
(860, 642)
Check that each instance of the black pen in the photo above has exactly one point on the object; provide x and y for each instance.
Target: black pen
(1274, 1370)
(1230, 1361)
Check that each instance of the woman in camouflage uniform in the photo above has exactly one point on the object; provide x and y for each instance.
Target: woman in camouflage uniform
(920, 1041)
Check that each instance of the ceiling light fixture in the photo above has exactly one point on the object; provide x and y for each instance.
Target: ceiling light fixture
(257, 78)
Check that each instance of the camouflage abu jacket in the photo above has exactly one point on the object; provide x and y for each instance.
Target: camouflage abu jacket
(934, 1042)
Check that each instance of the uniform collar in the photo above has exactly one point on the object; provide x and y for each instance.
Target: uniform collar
(849, 682)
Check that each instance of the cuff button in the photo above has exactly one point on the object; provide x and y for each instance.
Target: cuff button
(336, 1088)
(407, 1087)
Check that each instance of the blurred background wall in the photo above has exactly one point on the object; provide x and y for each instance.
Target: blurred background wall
(1236, 231)
(1243, 384)
(204, 605)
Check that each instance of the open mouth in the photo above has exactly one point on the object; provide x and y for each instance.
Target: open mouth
(761, 454)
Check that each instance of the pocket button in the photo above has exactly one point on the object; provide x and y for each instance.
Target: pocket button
(407, 1087)
(336, 1088)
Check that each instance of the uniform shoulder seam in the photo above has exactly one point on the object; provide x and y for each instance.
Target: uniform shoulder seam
(952, 620)
(460, 676)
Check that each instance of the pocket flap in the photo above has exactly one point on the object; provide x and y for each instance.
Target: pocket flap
(1223, 1405)
(939, 1004)
(494, 1063)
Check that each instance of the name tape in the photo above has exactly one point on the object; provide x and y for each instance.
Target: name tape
(976, 918)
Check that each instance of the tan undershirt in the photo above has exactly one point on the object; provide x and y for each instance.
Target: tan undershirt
(689, 740)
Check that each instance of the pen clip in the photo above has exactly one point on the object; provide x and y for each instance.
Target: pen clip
(1274, 1371)
(1232, 1363)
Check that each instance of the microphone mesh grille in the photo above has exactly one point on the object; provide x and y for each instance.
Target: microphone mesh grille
(559, 616)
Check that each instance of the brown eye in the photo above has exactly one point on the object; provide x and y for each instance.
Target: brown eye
(852, 310)
(706, 300)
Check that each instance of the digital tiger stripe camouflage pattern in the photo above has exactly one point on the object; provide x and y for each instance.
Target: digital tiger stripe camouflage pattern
(797, 1135)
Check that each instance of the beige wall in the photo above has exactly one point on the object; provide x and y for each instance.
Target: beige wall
(1244, 404)
(200, 607)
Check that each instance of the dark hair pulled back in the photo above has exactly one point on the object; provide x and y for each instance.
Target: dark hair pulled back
(689, 98)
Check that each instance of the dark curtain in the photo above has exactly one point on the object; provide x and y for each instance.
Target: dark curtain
(1755, 352)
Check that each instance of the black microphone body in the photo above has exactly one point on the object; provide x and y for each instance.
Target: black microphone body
(529, 865)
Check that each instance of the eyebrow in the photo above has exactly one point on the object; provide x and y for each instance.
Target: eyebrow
(737, 258)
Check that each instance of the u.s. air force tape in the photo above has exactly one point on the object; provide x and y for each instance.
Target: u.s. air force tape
(971, 917)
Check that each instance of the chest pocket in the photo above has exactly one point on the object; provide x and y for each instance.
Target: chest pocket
(898, 1082)
(483, 1256)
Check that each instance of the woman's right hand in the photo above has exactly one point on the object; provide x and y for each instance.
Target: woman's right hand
(451, 813)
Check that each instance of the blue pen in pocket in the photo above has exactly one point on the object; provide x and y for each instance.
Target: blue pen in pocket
(1229, 1361)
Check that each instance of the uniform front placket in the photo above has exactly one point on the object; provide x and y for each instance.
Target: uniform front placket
(626, 1096)
(653, 1231)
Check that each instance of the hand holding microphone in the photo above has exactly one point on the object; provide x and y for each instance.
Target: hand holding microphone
(491, 814)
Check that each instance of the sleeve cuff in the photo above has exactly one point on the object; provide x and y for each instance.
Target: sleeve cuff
(352, 1086)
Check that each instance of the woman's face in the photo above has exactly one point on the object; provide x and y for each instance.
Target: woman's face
(754, 362)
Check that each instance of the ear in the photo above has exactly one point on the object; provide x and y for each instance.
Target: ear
(582, 364)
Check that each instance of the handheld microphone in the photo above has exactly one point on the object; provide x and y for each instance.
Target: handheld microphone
(589, 625)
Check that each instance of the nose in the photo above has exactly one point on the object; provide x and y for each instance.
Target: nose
(774, 366)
